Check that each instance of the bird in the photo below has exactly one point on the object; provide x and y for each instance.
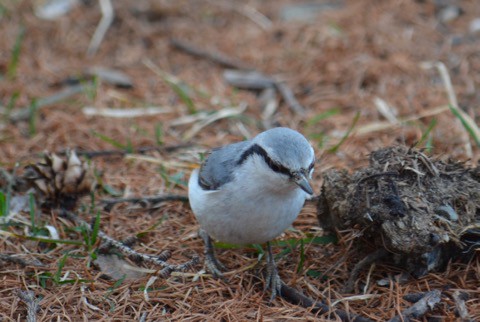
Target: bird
(249, 192)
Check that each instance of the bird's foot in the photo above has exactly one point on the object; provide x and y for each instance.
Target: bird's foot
(273, 281)
(213, 265)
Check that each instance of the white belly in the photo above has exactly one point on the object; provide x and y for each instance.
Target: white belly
(244, 214)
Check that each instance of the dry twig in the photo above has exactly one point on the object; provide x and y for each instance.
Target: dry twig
(420, 308)
(294, 296)
(20, 261)
(289, 97)
(224, 60)
(28, 297)
(369, 259)
(159, 260)
(248, 11)
(140, 150)
(459, 298)
(107, 18)
(23, 114)
(214, 56)
(144, 201)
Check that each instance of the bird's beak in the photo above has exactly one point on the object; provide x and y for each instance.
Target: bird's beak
(303, 183)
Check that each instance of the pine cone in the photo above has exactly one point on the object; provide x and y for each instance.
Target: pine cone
(60, 182)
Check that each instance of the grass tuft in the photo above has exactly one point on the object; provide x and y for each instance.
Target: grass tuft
(159, 135)
(32, 117)
(427, 137)
(465, 124)
(16, 51)
(335, 148)
(323, 116)
(4, 204)
(128, 147)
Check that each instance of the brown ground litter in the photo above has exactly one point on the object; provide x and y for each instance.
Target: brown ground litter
(351, 60)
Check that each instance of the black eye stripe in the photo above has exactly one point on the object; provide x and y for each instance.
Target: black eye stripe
(258, 150)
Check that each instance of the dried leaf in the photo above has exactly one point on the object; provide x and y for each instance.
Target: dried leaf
(117, 268)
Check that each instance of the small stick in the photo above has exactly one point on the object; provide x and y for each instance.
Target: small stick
(251, 13)
(107, 18)
(459, 298)
(109, 203)
(295, 297)
(140, 150)
(159, 260)
(20, 261)
(453, 105)
(214, 56)
(289, 97)
(28, 297)
(420, 308)
(143, 317)
(151, 199)
(368, 260)
(24, 113)
(226, 61)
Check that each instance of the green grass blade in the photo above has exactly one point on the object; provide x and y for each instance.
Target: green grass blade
(42, 239)
(322, 116)
(3, 10)
(302, 257)
(31, 204)
(11, 103)
(317, 240)
(32, 117)
(111, 190)
(345, 137)
(16, 51)
(3, 204)
(465, 124)
(426, 137)
(61, 264)
(116, 285)
(96, 228)
(322, 240)
(289, 244)
(110, 141)
(222, 245)
(159, 134)
(182, 91)
(314, 273)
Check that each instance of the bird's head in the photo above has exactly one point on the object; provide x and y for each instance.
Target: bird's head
(286, 153)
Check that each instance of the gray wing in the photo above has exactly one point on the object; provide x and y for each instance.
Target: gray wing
(219, 166)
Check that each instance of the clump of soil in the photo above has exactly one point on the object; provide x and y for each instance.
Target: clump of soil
(423, 211)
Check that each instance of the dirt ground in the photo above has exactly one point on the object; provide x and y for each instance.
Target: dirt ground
(367, 72)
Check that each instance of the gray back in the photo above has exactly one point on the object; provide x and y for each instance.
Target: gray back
(220, 164)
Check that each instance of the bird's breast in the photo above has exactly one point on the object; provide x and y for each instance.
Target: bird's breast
(244, 216)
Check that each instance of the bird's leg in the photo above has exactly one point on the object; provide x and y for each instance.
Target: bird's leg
(273, 282)
(211, 262)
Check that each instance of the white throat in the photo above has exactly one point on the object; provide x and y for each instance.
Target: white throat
(264, 178)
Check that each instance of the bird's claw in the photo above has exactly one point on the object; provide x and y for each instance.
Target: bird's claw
(273, 281)
(214, 266)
